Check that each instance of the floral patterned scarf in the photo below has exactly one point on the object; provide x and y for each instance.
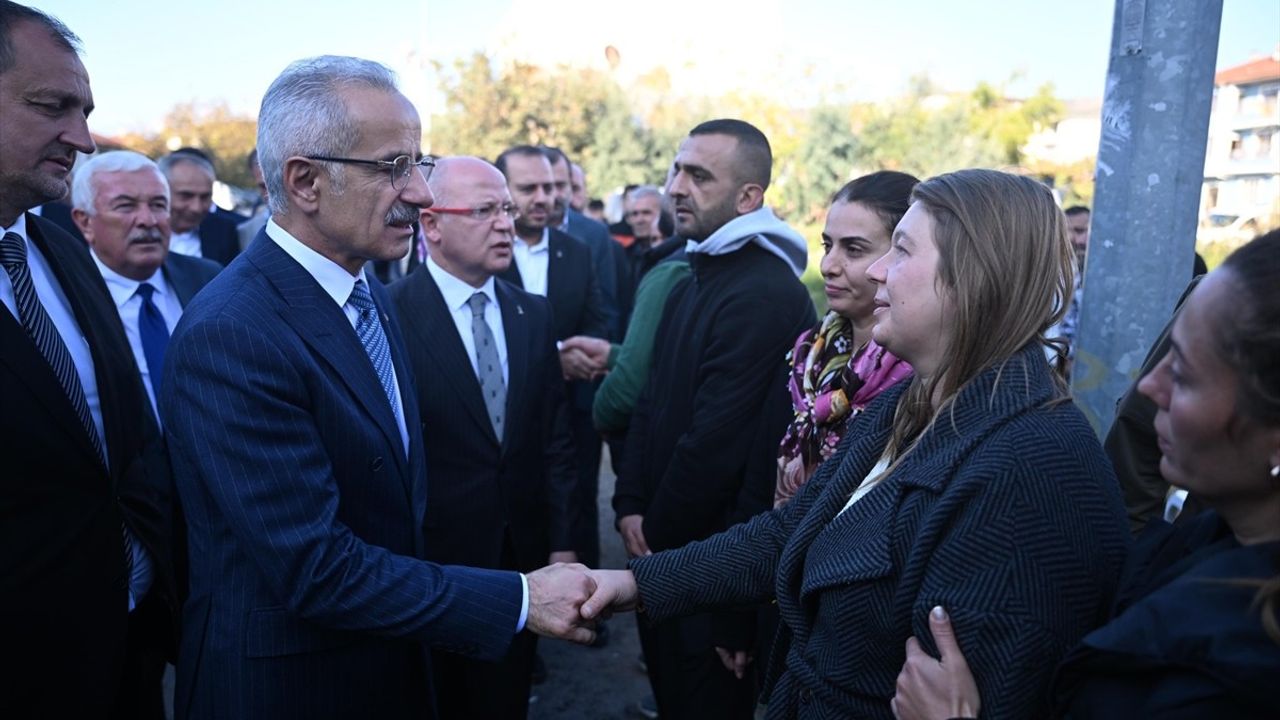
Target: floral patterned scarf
(830, 382)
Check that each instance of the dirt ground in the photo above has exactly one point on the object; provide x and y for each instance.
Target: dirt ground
(594, 683)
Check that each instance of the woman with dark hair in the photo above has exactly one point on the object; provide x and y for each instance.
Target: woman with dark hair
(1196, 629)
(975, 485)
(837, 369)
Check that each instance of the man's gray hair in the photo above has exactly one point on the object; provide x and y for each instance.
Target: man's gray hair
(168, 162)
(303, 114)
(82, 190)
(644, 191)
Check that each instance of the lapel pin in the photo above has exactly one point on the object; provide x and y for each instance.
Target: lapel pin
(559, 254)
(519, 309)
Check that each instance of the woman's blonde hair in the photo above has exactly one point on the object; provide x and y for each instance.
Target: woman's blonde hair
(1006, 270)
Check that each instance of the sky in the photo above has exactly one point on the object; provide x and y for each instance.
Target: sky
(145, 56)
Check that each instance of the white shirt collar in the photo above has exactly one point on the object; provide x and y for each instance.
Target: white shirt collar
(19, 227)
(541, 247)
(122, 289)
(336, 281)
(457, 293)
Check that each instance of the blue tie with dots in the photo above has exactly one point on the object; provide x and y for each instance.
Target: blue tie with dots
(155, 335)
(374, 340)
(488, 366)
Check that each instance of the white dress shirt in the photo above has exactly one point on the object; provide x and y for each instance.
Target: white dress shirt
(457, 295)
(124, 292)
(532, 262)
(60, 314)
(187, 243)
(337, 283)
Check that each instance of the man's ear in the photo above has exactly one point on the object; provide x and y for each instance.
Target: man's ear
(303, 184)
(750, 198)
(81, 219)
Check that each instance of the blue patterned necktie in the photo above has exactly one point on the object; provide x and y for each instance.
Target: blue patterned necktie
(154, 333)
(43, 333)
(488, 366)
(374, 339)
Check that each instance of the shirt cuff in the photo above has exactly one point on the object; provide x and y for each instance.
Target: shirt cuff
(524, 602)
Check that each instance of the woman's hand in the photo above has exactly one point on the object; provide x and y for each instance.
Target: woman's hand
(931, 689)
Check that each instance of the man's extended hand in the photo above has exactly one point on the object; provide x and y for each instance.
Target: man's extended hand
(562, 556)
(556, 594)
(616, 591)
(631, 528)
(594, 348)
(577, 365)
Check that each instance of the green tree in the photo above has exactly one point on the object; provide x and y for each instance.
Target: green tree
(227, 136)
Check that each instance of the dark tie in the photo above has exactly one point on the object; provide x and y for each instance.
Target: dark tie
(155, 335)
(488, 366)
(374, 340)
(13, 255)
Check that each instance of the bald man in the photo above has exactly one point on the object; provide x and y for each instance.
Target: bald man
(500, 469)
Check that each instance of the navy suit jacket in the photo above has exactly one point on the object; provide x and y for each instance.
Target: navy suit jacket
(63, 584)
(188, 275)
(309, 597)
(1006, 514)
(612, 272)
(219, 240)
(487, 490)
(577, 306)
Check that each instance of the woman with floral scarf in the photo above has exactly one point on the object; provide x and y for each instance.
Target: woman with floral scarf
(837, 369)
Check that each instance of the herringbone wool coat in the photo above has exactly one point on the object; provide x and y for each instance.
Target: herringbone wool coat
(1007, 514)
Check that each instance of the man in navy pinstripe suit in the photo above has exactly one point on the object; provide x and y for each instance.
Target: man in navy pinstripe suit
(291, 417)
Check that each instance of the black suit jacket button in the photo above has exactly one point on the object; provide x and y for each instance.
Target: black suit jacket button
(376, 465)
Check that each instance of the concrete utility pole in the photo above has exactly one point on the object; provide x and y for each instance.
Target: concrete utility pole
(1155, 124)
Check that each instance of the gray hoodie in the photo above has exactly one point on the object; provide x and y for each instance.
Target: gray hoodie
(763, 228)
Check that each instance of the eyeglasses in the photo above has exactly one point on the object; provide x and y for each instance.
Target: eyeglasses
(483, 213)
(401, 168)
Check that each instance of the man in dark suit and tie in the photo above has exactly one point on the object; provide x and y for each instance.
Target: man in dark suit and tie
(552, 264)
(79, 519)
(121, 206)
(292, 422)
(500, 469)
(196, 231)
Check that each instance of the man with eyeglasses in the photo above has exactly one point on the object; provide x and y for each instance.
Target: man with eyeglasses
(293, 427)
(499, 456)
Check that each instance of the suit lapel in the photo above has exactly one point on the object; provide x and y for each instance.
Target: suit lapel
(321, 324)
(179, 280)
(515, 326)
(555, 268)
(95, 313)
(512, 274)
(439, 335)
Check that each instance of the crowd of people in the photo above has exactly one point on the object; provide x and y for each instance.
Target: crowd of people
(340, 459)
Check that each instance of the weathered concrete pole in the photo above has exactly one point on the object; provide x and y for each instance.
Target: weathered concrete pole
(1155, 124)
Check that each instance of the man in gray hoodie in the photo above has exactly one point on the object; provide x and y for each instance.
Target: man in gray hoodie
(700, 450)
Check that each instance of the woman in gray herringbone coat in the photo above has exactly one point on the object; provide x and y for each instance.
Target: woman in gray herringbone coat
(977, 486)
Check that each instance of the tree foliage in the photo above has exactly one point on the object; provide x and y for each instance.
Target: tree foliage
(227, 136)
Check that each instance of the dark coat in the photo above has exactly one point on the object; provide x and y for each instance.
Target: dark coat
(309, 597)
(219, 239)
(577, 307)
(63, 585)
(1006, 514)
(609, 263)
(486, 490)
(1187, 640)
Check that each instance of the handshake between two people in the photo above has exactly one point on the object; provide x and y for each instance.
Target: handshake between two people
(584, 358)
(566, 599)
